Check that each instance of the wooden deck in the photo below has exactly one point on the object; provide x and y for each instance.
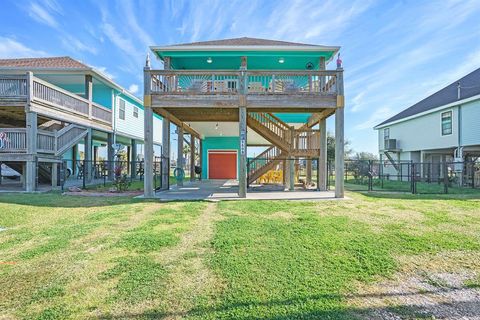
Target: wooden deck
(51, 101)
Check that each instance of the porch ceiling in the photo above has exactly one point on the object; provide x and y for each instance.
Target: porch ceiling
(226, 129)
(256, 60)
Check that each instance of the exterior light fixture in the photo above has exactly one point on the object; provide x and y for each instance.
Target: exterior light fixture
(281, 60)
(209, 60)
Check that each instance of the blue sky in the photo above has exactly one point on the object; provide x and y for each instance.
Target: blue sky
(394, 52)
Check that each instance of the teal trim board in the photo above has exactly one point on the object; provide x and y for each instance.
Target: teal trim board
(218, 143)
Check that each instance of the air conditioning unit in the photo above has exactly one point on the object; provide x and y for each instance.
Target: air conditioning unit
(390, 144)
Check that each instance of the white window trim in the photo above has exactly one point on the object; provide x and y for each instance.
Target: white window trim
(136, 112)
(120, 109)
(441, 125)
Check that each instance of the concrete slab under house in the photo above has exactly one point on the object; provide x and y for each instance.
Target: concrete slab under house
(233, 96)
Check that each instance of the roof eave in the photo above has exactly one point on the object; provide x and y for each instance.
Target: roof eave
(445, 106)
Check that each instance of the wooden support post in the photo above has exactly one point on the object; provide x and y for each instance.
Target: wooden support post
(286, 173)
(165, 153)
(322, 66)
(242, 172)
(148, 147)
(133, 159)
(291, 167)
(200, 152)
(180, 161)
(54, 175)
(88, 156)
(309, 171)
(89, 93)
(192, 157)
(110, 155)
(339, 137)
(322, 173)
(148, 191)
(31, 165)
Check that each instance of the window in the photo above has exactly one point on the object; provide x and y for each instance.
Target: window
(121, 113)
(386, 133)
(135, 112)
(446, 123)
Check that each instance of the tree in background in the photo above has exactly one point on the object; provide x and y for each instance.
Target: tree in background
(331, 148)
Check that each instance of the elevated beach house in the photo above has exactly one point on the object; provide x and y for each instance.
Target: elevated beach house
(442, 127)
(233, 94)
(58, 113)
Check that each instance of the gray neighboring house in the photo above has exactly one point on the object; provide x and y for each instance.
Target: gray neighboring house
(442, 127)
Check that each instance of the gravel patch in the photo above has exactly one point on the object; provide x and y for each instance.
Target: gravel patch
(424, 295)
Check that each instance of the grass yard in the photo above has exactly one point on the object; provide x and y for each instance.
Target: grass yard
(370, 257)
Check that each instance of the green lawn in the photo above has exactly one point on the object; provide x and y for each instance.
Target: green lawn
(113, 258)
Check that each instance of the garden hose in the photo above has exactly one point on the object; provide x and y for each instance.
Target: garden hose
(179, 174)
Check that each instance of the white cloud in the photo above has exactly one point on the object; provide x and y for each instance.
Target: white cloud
(75, 45)
(10, 48)
(375, 118)
(42, 12)
(133, 88)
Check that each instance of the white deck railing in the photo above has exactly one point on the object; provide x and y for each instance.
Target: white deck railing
(13, 140)
(221, 82)
(43, 92)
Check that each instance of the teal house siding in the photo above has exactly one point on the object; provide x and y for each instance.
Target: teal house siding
(470, 123)
(218, 143)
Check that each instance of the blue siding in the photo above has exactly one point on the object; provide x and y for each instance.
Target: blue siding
(218, 143)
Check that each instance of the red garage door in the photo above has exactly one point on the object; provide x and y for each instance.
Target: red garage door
(222, 164)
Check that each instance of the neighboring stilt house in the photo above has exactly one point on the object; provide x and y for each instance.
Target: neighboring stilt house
(57, 113)
(234, 94)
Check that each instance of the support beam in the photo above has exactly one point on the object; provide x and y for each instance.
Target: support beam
(133, 159)
(165, 114)
(339, 138)
(148, 146)
(31, 166)
(88, 156)
(291, 185)
(286, 174)
(309, 171)
(165, 153)
(200, 152)
(54, 175)
(110, 155)
(192, 158)
(322, 173)
(242, 172)
(180, 153)
(89, 93)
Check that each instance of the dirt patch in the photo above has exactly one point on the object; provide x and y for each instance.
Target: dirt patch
(104, 194)
(282, 215)
(431, 287)
(189, 275)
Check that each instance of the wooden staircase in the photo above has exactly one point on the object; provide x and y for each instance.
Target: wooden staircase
(68, 137)
(286, 142)
(264, 162)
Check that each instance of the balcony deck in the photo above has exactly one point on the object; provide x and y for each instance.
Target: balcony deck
(301, 90)
(52, 101)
